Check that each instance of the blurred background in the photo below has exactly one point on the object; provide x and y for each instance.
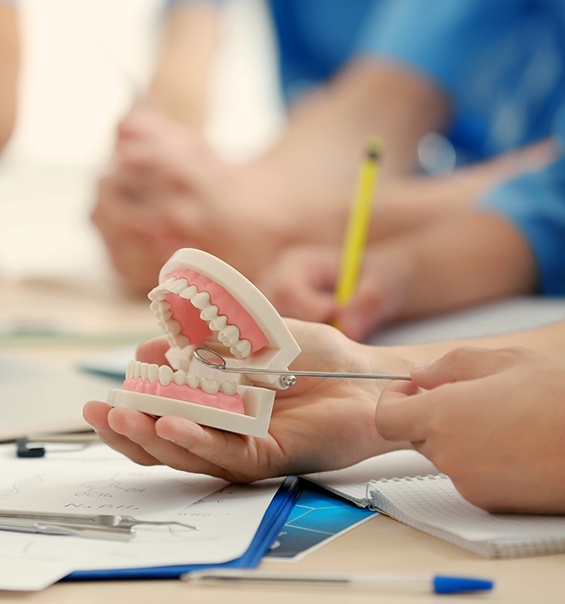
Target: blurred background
(83, 64)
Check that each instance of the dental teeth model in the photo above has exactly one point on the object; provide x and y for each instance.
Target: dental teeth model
(203, 302)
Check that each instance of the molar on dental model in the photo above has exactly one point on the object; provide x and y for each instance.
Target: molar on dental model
(203, 302)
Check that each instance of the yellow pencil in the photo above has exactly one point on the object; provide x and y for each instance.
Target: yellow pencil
(358, 224)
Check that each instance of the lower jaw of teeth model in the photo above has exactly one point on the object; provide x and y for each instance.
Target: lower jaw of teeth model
(203, 302)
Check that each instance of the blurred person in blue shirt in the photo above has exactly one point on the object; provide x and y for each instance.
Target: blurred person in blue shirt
(487, 75)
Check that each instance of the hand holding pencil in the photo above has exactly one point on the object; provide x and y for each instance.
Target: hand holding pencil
(325, 283)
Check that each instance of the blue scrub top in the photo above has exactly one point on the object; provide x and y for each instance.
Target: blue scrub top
(535, 205)
(501, 63)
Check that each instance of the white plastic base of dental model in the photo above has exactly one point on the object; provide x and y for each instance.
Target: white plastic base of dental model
(258, 403)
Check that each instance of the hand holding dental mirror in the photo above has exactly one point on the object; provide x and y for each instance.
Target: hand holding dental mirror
(288, 378)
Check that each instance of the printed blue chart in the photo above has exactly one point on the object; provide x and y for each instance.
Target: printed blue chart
(317, 516)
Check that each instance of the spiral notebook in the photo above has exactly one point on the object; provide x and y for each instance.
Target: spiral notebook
(427, 500)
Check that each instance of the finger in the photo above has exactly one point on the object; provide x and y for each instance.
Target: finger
(302, 283)
(149, 435)
(233, 456)
(361, 317)
(400, 412)
(153, 351)
(463, 364)
(305, 303)
(142, 122)
(381, 292)
(96, 414)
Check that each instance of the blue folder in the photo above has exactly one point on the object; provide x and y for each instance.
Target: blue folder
(274, 519)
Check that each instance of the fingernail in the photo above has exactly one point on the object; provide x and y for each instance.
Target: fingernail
(420, 367)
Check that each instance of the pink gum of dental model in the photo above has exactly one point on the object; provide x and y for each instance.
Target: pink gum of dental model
(227, 402)
(194, 328)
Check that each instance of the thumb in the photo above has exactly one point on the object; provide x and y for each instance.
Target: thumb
(382, 290)
(365, 311)
(463, 364)
(153, 351)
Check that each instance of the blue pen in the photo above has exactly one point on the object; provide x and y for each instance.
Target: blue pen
(438, 584)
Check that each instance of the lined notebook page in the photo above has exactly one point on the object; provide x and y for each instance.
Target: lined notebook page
(434, 505)
(352, 482)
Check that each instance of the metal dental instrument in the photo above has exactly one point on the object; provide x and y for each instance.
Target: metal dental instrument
(48, 527)
(288, 378)
(100, 526)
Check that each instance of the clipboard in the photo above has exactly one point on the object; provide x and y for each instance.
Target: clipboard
(274, 519)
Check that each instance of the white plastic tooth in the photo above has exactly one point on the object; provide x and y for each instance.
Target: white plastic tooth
(144, 371)
(181, 341)
(137, 369)
(177, 286)
(168, 282)
(158, 294)
(129, 370)
(188, 293)
(166, 315)
(153, 373)
(209, 313)
(223, 339)
(242, 349)
(231, 334)
(165, 375)
(228, 387)
(209, 386)
(193, 380)
(170, 340)
(160, 308)
(179, 377)
(201, 300)
(218, 323)
(173, 327)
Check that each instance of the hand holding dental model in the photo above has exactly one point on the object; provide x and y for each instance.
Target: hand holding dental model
(490, 419)
(209, 311)
(203, 302)
(317, 424)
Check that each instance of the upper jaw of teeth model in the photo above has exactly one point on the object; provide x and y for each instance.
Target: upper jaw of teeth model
(203, 302)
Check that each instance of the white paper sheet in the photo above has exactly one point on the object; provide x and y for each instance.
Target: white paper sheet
(98, 480)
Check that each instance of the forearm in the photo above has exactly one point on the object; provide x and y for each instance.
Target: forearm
(367, 97)
(9, 63)
(313, 168)
(180, 84)
(549, 339)
(464, 260)
(413, 200)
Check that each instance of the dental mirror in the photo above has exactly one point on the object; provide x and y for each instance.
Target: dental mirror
(212, 359)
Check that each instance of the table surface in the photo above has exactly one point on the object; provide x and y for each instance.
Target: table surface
(99, 321)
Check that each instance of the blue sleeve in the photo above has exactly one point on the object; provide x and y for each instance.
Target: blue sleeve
(501, 62)
(439, 37)
(535, 204)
